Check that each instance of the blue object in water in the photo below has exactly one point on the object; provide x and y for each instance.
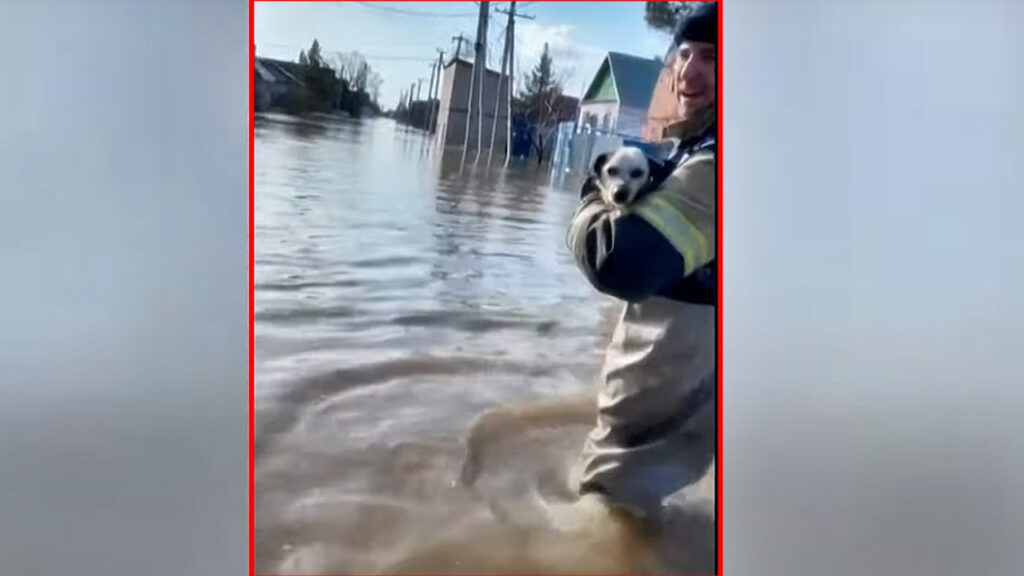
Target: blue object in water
(521, 144)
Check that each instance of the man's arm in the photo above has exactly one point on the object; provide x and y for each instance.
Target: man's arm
(623, 256)
(658, 246)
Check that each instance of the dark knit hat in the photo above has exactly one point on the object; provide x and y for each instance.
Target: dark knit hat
(700, 24)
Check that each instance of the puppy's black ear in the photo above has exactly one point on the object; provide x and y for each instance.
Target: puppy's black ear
(599, 162)
(589, 187)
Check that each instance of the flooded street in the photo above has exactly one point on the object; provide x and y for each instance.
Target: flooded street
(397, 301)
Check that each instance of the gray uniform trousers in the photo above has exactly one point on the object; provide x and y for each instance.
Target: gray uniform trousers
(656, 426)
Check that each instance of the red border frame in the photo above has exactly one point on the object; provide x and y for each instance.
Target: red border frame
(718, 297)
(718, 308)
(252, 305)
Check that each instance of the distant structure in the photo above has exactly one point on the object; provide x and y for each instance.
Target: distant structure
(273, 81)
(280, 85)
(619, 96)
(664, 108)
(454, 107)
(565, 109)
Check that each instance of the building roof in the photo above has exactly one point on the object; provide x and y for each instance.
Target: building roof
(469, 64)
(278, 70)
(630, 79)
(264, 73)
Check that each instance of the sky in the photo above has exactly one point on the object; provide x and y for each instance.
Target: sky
(400, 39)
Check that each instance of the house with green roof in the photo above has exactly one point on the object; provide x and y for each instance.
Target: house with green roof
(619, 96)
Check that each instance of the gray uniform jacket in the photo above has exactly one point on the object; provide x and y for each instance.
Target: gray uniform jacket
(656, 427)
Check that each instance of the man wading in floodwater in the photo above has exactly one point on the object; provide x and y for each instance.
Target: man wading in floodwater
(655, 430)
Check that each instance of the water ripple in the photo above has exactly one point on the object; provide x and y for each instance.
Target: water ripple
(399, 296)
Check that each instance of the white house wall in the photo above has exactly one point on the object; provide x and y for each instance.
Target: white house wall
(444, 132)
(631, 122)
(600, 110)
(451, 123)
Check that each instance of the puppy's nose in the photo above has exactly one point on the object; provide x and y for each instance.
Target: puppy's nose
(621, 195)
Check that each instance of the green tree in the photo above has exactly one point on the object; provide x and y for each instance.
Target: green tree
(539, 99)
(664, 16)
(346, 82)
(315, 59)
(322, 90)
(541, 90)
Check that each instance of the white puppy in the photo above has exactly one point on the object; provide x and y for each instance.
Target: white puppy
(622, 177)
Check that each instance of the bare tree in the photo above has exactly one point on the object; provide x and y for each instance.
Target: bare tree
(358, 75)
(373, 85)
(361, 78)
(350, 65)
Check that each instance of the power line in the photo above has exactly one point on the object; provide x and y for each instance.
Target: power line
(339, 53)
(404, 12)
(493, 25)
(380, 57)
(460, 39)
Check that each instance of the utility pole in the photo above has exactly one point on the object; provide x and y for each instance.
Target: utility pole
(419, 84)
(498, 94)
(460, 39)
(481, 61)
(437, 91)
(511, 82)
(430, 96)
(405, 107)
(477, 77)
(510, 41)
(412, 88)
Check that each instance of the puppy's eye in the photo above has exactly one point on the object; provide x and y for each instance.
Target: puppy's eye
(613, 171)
(636, 173)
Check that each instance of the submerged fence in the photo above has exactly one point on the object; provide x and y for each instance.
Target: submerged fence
(576, 148)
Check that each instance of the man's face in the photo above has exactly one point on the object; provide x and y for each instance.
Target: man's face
(695, 76)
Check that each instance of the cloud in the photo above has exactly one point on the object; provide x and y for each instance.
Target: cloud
(575, 62)
(558, 37)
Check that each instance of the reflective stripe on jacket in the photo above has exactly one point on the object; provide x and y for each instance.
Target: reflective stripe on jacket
(682, 209)
(655, 430)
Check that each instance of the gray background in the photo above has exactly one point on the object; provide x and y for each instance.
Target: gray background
(872, 277)
(124, 250)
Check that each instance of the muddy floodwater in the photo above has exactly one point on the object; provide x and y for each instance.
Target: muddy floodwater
(426, 354)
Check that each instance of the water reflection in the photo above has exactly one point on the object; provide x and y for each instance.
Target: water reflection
(399, 296)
